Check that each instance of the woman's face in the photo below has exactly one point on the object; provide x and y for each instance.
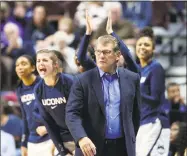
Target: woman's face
(144, 48)
(44, 65)
(174, 132)
(23, 67)
(39, 15)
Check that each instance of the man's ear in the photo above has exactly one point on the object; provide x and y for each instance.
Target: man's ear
(118, 54)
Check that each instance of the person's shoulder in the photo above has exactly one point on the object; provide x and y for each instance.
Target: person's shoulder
(156, 67)
(125, 23)
(14, 117)
(131, 76)
(19, 87)
(87, 74)
(6, 135)
(129, 72)
(65, 75)
(156, 64)
(38, 84)
(38, 79)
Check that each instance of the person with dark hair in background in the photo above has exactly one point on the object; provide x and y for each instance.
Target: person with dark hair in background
(35, 140)
(8, 147)
(174, 97)
(38, 28)
(153, 134)
(178, 139)
(52, 93)
(11, 123)
(15, 48)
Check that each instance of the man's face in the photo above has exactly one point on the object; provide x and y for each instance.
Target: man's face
(106, 58)
(115, 15)
(173, 92)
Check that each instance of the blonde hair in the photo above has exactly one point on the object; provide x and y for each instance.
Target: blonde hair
(105, 39)
(66, 21)
(11, 27)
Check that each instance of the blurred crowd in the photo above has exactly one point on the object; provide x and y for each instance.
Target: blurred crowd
(27, 27)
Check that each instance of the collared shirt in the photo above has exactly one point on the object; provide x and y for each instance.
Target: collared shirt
(110, 86)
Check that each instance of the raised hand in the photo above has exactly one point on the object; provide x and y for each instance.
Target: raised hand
(89, 26)
(109, 29)
(87, 147)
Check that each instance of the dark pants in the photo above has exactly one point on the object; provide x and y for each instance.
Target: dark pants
(114, 147)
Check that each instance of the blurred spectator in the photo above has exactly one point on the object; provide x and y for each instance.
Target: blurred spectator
(19, 13)
(174, 96)
(14, 48)
(123, 28)
(14, 39)
(11, 123)
(96, 11)
(139, 13)
(8, 147)
(56, 8)
(61, 44)
(160, 14)
(38, 28)
(5, 17)
(178, 139)
(59, 41)
(29, 12)
(6, 69)
(65, 25)
(175, 11)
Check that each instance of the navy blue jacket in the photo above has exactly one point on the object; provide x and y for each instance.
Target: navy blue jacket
(26, 99)
(152, 86)
(85, 110)
(55, 125)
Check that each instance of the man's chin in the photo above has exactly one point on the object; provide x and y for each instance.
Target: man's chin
(101, 66)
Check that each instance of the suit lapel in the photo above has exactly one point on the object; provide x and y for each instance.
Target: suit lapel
(97, 86)
(123, 83)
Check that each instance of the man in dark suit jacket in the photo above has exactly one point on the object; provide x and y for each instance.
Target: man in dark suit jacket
(102, 112)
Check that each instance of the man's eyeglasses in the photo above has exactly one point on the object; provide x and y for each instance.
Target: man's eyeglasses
(105, 52)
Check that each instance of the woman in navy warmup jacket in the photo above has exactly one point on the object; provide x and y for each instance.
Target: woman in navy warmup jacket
(52, 94)
(35, 140)
(153, 135)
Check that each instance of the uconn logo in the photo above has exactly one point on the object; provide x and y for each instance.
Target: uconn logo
(27, 98)
(53, 102)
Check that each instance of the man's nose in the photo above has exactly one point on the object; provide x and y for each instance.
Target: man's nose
(102, 54)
